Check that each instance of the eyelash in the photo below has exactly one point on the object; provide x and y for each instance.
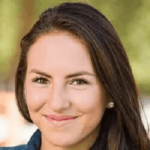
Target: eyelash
(80, 80)
(45, 80)
(39, 78)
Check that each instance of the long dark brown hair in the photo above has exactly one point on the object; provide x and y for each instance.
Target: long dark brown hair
(123, 123)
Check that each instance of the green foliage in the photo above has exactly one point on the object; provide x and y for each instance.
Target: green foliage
(8, 34)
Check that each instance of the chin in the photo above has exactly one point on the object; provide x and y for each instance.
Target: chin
(63, 141)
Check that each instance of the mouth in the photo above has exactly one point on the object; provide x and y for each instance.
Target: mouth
(60, 120)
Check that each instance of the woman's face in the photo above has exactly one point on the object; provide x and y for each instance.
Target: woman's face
(60, 81)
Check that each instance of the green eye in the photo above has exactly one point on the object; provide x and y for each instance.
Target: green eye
(41, 80)
(79, 82)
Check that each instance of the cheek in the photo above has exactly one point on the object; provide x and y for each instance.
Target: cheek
(90, 101)
(35, 97)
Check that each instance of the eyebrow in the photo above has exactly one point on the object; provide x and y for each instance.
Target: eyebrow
(67, 76)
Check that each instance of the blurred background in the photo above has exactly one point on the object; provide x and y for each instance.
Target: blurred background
(131, 20)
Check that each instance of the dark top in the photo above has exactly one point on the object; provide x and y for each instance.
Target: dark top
(33, 144)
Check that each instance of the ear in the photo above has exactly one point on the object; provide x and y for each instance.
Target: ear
(109, 102)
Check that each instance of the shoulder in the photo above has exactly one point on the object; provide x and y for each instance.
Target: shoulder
(19, 147)
(33, 144)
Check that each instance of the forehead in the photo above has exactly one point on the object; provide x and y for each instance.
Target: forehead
(59, 50)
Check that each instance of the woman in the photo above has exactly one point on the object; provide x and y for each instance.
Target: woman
(74, 82)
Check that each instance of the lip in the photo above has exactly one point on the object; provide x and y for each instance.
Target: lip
(60, 121)
(60, 118)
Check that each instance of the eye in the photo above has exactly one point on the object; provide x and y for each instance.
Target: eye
(79, 81)
(40, 80)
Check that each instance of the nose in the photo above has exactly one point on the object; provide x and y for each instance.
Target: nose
(58, 99)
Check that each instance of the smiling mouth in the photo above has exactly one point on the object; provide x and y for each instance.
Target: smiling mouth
(60, 120)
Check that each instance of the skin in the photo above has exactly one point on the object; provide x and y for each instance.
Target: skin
(58, 55)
